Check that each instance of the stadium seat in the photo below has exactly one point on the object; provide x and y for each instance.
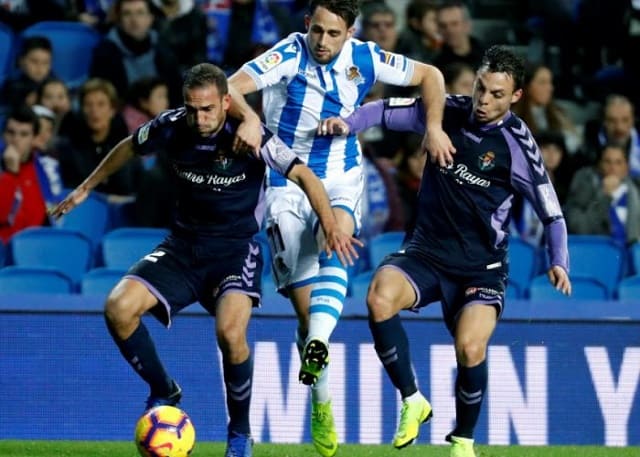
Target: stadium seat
(17, 279)
(91, 218)
(100, 281)
(383, 244)
(3, 254)
(598, 258)
(66, 250)
(513, 291)
(72, 43)
(7, 49)
(359, 285)
(634, 255)
(629, 288)
(582, 289)
(124, 246)
(522, 265)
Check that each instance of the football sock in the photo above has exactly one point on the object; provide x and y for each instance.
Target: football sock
(392, 347)
(327, 297)
(320, 390)
(238, 379)
(141, 354)
(471, 384)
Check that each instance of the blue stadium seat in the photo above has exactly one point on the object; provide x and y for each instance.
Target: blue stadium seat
(100, 281)
(629, 288)
(598, 258)
(3, 253)
(582, 289)
(17, 279)
(522, 265)
(124, 246)
(7, 51)
(91, 218)
(383, 244)
(359, 285)
(73, 44)
(65, 250)
(513, 291)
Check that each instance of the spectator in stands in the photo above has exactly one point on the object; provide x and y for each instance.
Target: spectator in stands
(421, 39)
(454, 22)
(183, 28)
(617, 126)
(458, 78)
(379, 25)
(603, 200)
(147, 98)
(45, 139)
(29, 182)
(91, 135)
(131, 50)
(53, 93)
(34, 66)
(94, 13)
(539, 110)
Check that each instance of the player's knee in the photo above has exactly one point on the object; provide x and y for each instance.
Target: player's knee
(230, 337)
(470, 351)
(380, 302)
(121, 311)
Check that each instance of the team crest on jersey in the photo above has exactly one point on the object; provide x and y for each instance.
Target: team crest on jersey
(269, 61)
(353, 74)
(487, 161)
(223, 162)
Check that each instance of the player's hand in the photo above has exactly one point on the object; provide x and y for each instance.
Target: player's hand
(559, 279)
(77, 196)
(439, 147)
(344, 245)
(333, 126)
(248, 136)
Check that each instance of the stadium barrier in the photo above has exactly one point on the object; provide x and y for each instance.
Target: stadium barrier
(565, 372)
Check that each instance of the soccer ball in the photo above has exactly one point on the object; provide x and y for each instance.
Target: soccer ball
(165, 431)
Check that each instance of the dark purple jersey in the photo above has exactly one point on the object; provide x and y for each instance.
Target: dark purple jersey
(219, 192)
(464, 209)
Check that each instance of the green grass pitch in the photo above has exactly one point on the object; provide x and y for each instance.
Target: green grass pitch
(204, 449)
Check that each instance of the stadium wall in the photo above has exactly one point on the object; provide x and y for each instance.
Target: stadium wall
(565, 372)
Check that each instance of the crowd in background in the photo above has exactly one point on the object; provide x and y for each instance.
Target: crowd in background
(579, 98)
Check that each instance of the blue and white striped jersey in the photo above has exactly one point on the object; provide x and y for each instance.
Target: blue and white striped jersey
(298, 92)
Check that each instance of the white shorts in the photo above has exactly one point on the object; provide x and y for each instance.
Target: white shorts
(292, 225)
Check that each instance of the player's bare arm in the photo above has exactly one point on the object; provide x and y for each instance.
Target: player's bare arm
(436, 142)
(249, 133)
(559, 278)
(114, 160)
(335, 239)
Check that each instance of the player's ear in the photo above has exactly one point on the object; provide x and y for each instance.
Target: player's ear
(307, 21)
(516, 96)
(226, 101)
(351, 31)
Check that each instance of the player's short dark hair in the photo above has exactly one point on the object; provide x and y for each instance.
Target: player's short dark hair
(24, 115)
(500, 59)
(205, 74)
(346, 9)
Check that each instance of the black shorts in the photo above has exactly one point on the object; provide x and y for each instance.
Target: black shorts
(180, 272)
(453, 291)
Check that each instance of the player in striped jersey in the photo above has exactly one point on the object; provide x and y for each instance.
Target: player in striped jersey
(304, 78)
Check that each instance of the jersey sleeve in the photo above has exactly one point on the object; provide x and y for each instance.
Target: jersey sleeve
(281, 61)
(391, 68)
(529, 177)
(277, 155)
(148, 138)
(400, 114)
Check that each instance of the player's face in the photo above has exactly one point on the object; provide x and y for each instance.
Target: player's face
(327, 33)
(493, 96)
(206, 109)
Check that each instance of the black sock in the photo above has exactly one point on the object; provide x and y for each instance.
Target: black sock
(471, 384)
(141, 354)
(238, 379)
(392, 347)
